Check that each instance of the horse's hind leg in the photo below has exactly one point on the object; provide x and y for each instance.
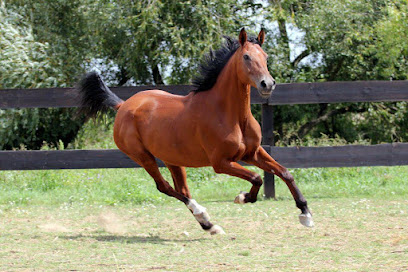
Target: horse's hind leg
(179, 176)
(180, 183)
(148, 162)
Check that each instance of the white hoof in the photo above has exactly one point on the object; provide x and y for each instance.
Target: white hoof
(216, 230)
(240, 199)
(306, 220)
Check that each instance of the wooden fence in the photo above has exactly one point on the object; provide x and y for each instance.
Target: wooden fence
(292, 157)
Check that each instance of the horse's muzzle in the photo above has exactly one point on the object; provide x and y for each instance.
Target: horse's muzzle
(266, 87)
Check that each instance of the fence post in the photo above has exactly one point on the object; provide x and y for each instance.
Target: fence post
(268, 139)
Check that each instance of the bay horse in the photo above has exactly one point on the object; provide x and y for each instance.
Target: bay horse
(211, 126)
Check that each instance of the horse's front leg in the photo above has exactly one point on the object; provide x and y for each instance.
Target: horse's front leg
(264, 161)
(234, 169)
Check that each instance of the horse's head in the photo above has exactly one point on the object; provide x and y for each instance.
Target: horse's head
(252, 67)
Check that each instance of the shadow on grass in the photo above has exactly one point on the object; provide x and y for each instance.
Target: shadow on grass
(231, 200)
(130, 239)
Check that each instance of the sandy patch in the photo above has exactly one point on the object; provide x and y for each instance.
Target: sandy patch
(53, 227)
(111, 223)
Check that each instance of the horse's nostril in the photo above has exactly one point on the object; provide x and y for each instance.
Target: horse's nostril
(263, 84)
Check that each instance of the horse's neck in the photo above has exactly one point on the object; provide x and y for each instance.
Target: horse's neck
(232, 96)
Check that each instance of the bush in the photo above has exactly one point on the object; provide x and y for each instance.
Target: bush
(24, 63)
(32, 128)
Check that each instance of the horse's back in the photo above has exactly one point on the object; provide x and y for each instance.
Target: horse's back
(147, 108)
(148, 97)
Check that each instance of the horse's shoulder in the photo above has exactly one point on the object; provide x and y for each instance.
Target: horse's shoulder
(252, 127)
(252, 133)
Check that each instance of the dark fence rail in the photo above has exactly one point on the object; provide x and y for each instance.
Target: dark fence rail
(291, 93)
(292, 157)
(337, 92)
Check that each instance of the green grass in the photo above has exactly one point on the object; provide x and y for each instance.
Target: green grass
(115, 219)
(351, 234)
(135, 186)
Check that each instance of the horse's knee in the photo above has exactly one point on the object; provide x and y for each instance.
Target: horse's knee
(286, 176)
(256, 180)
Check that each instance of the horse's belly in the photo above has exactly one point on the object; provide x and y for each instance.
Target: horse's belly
(180, 155)
(174, 143)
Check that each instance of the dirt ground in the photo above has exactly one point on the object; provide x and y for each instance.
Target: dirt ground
(350, 235)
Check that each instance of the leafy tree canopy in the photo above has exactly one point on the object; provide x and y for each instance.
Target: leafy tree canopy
(162, 42)
(25, 62)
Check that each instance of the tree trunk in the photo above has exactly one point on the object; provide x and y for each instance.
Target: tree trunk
(284, 38)
(123, 76)
(158, 80)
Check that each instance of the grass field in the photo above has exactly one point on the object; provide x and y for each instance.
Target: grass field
(115, 219)
(353, 234)
(130, 186)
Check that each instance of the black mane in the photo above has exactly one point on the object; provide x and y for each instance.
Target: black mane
(214, 62)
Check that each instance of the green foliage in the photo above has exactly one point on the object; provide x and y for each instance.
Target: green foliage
(95, 134)
(148, 39)
(25, 63)
(142, 39)
(49, 43)
(392, 48)
(33, 128)
(64, 26)
(343, 40)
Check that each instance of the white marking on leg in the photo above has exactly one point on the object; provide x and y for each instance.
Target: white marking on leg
(306, 220)
(195, 207)
(201, 215)
(199, 212)
(240, 199)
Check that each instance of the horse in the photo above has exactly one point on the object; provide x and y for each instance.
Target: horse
(211, 126)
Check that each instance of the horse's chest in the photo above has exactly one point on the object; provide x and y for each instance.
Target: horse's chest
(240, 152)
(246, 145)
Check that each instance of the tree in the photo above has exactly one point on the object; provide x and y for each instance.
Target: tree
(25, 63)
(157, 42)
(64, 26)
(148, 42)
(162, 42)
(342, 40)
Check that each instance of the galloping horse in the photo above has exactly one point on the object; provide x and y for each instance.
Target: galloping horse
(211, 126)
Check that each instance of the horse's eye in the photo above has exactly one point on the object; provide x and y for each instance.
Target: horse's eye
(246, 57)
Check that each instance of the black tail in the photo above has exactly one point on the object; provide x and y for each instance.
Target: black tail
(96, 96)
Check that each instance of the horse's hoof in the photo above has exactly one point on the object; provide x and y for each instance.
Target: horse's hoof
(240, 199)
(306, 220)
(216, 230)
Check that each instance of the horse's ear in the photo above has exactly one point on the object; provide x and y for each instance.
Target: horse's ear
(261, 36)
(242, 36)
